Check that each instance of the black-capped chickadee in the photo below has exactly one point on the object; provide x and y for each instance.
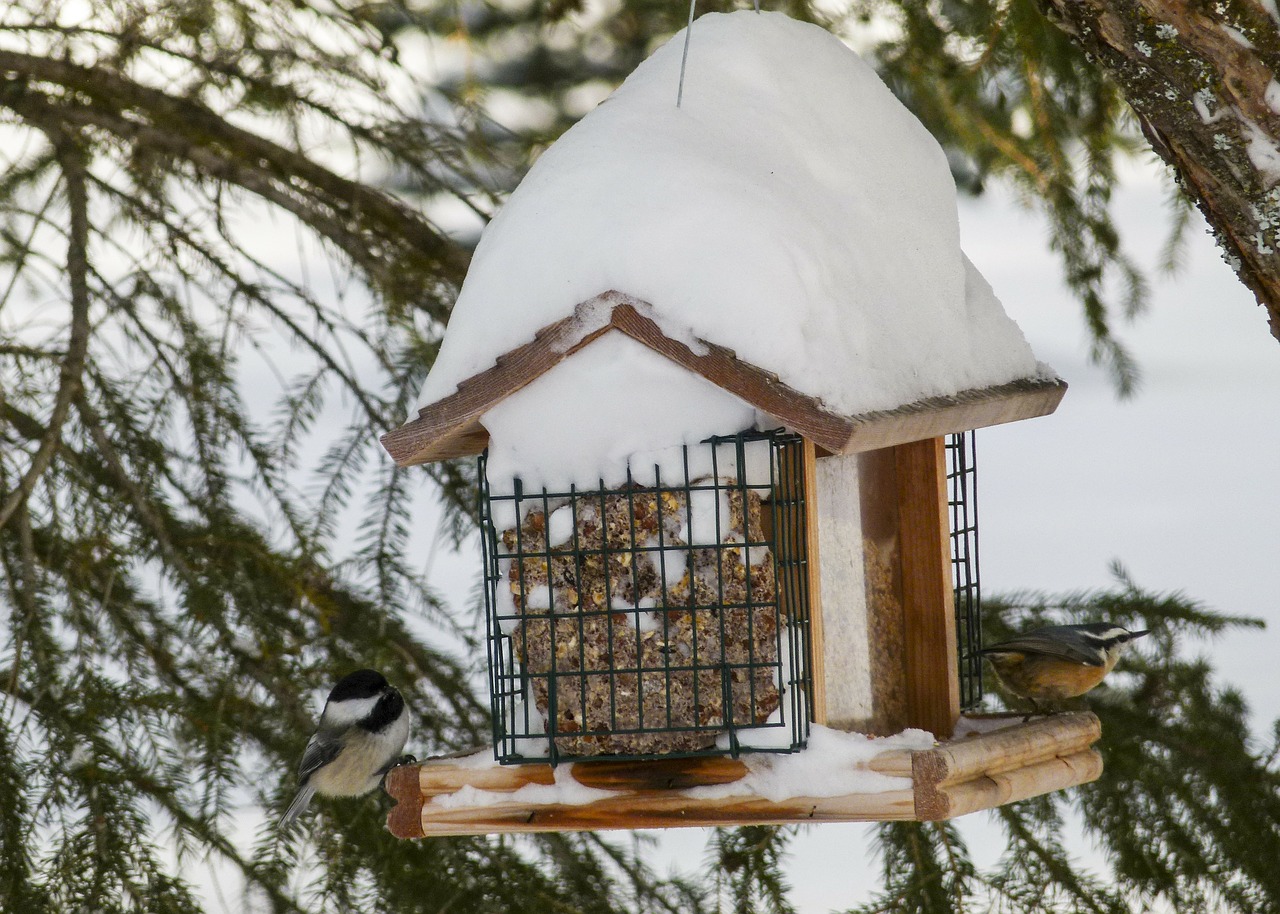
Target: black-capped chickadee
(1060, 661)
(362, 730)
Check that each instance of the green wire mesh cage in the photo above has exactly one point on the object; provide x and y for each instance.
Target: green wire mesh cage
(663, 617)
(962, 505)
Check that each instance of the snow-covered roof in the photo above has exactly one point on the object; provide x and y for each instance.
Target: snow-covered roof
(791, 212)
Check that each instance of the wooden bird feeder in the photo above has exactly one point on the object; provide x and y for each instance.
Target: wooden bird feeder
(881, 636)
(670, 646)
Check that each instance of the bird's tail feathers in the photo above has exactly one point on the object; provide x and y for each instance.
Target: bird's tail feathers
(298, 806)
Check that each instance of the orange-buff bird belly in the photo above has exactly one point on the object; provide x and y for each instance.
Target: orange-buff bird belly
(1044, 678)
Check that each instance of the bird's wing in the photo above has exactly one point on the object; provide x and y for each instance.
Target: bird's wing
(1046, 645)
(298, 806)
(321, 749)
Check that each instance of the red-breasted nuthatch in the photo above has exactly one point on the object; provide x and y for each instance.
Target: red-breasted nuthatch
(1060, 661)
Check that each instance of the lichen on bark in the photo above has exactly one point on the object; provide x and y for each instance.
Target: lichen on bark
(1199, 77)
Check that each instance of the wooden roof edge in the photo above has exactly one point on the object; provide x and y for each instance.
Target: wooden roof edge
(762, 389)
(1025, 398)
(450, 427)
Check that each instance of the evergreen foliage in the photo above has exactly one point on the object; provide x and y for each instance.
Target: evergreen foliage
(747, 868)
(188, 442)
(1186, 814)
(176, 592)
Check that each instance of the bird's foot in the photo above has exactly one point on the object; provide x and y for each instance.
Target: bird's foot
(1037, 711)
(402, 760)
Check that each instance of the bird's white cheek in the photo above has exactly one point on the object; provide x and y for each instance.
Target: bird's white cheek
(397, 735)
(342, 714)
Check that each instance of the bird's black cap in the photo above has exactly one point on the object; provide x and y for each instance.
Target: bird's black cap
(360, 684)
(1104, 630)
(388, 709)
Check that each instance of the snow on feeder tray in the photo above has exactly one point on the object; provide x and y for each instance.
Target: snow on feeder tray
(727, 516)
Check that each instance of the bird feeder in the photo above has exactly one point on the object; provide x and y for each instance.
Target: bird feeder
(720, 366)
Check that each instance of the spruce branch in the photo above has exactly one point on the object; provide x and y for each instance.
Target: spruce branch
(25, 249)
(380, 234)
(72, 160)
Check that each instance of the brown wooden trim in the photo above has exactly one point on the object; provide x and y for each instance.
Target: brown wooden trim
(1053, 774)
(441, 778)
(1014, 744)
(1011, 746)
(817, 636)
(405, 818)
(450, 427)
(723, 368)
(969, 409)
(928, 600)
(659, 774)
(672, 810)
(1017, 761)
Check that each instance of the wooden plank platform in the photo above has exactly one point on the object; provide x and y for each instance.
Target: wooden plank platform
(1002, 760)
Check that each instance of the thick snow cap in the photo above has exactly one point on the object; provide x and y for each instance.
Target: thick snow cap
(791, 210)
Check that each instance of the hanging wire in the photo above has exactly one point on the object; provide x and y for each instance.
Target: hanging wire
(684, 58)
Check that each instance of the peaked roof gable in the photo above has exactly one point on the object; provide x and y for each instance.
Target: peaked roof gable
(450, 427)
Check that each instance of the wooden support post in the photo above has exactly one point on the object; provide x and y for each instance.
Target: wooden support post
(928, 601)
(880, 629)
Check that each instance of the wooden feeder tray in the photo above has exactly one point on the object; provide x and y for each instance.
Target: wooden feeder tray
(1001, 760)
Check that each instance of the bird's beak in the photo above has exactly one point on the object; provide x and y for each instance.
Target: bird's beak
(1133, 636)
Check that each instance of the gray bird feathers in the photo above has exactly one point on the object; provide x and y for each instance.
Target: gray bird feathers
(301, 800)
(361, 734)
(1091, 643)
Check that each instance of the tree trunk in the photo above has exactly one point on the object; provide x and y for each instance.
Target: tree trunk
(1200, 76)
